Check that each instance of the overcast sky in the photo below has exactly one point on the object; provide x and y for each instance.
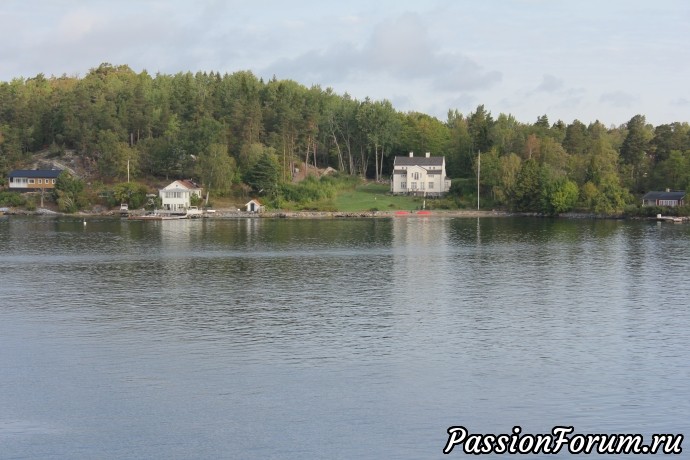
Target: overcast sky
(581, 59)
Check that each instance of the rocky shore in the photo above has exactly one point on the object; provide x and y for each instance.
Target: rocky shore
(235, 214)
(359, 214)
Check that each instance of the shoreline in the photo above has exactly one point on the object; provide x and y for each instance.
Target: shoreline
(234, 214)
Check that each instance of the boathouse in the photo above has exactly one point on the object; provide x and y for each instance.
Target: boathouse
(668, 198)
(253, 206)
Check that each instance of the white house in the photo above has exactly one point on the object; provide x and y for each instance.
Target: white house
(253, 206)
(177, 196)
(420, 175)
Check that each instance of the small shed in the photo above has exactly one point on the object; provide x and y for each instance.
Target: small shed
(254, 206)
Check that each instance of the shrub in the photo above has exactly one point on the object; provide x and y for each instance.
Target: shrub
(13, 199)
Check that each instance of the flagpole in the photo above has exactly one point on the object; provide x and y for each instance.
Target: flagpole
(479, 168)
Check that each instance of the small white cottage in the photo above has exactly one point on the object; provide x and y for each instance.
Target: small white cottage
(254, 206)
(177, 196)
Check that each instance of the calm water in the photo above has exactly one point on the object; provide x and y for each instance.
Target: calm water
(303, 339)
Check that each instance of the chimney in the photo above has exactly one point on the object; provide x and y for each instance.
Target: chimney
(411, 154)
(428, 154)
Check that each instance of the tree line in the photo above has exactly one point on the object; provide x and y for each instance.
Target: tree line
(232, 131)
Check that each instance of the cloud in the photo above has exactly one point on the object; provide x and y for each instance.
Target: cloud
(618, 99)
(77, 25)
(398, 49)
(550, 84)
(680, 102)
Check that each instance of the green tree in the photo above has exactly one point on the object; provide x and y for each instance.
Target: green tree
(69, 193)
(132, 193)
(576, 138)
(379, 123)
(263, 177)
(558, 196)
(480, 123)
(526, 194)
(509, 169)
(422, 133)
(506, 134)
(460, 153)
(114, 157)
(635, 147)
(674, 136)
(217, 169)
(673, 172)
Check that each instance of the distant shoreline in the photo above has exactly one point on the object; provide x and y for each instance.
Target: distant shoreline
(234, 214)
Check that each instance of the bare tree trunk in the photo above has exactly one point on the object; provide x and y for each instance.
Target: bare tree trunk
(315, 166)
(351, 160)
(306, 157)
(341, 165)
(381, 165)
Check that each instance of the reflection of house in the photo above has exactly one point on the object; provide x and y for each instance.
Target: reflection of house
(667, 198)
(420, 175)
(254, 206)
(177, 196)
(30, 180)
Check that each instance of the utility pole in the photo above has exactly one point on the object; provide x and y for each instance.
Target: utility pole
(479, 169)
(131, 146)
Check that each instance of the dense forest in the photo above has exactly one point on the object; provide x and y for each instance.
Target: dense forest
(237, 132)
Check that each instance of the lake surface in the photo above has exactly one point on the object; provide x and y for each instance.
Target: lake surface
(352, 339)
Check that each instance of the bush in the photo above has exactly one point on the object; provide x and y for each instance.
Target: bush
(12, 199)
(69, 193)
(31, 204)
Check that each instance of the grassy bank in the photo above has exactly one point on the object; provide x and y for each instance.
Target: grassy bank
(374, 196)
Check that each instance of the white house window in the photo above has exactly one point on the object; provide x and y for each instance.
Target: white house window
(431, 185)
(53, 181)
(421, 184)
(31, 181)
(415, 176)
(413, 185)
(403, 185)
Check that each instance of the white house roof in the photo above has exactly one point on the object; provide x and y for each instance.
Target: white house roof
(35, 173)
(181, 185)
(418, 161)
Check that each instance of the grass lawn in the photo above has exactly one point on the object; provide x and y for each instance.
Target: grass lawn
(371, 195)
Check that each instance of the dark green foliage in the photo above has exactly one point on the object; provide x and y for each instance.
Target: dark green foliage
(576, 138)
(527, 193)
(131, 193)
(12, 199)
(263, 177)
(222, 129)
(69, 193)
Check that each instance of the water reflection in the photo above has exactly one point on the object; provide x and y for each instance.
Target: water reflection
(303, 328)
